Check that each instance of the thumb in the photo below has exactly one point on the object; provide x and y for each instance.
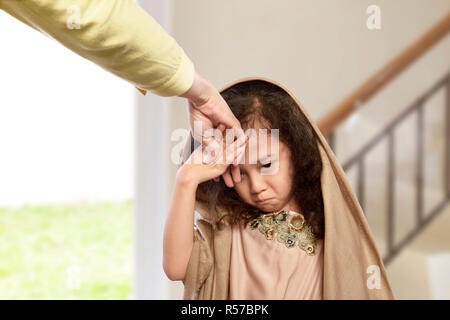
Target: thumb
(228, 120)
(224, 115)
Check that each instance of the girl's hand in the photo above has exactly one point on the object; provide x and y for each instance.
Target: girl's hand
(210, 162)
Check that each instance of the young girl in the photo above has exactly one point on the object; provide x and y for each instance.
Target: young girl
(265, 238)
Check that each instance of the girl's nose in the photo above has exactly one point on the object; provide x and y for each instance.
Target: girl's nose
(257, 184)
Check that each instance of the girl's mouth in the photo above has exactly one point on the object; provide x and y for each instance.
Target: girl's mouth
(263, 201)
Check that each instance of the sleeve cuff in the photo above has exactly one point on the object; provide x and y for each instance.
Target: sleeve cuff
(180, 82)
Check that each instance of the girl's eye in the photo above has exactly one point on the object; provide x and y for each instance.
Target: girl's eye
(267, 165)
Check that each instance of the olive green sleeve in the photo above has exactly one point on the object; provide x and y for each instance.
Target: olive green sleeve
(117, 35)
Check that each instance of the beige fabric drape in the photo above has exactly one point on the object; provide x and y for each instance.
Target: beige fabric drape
(352, 263)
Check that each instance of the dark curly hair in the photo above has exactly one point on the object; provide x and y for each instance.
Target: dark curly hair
(272, 107)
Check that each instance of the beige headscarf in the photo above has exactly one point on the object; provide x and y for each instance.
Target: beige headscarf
(353, 267)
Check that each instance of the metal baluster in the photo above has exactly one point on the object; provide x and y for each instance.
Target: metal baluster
(390, 193)
(447, 140)
(419, 168)
(361, 183)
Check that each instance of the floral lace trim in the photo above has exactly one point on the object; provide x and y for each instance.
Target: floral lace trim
(290, 227)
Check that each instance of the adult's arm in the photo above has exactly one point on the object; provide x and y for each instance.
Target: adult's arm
(118, 35)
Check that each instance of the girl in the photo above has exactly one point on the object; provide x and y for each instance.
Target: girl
(271, 236)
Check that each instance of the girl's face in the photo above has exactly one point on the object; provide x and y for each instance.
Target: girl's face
(266, 180)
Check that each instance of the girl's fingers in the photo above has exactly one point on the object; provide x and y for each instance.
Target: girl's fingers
(219, 152)
(235, 169)
(236, 174)
(235, 149)
(239, 157)
(232, 153)
(240, 149)
(242, 140)
(227, 178)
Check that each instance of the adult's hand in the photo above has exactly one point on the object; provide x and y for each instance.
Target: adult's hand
(207, 105)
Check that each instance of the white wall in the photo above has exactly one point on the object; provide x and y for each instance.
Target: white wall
(439, 265)
(66, 125)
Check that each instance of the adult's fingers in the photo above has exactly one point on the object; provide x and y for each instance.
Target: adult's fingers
(221, 127)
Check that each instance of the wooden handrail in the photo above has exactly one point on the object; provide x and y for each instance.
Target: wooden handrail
(377, 81)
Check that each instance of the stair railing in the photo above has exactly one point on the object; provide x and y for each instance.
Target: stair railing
(369, 88)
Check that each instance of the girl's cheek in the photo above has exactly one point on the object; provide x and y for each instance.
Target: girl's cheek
(240, 189)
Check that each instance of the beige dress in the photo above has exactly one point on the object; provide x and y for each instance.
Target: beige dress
(268, 269)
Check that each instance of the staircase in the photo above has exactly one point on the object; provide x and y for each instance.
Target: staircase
(401, 174)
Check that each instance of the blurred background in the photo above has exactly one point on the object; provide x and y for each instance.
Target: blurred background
(85, 160)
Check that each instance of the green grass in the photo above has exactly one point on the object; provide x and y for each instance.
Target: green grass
(66, 251)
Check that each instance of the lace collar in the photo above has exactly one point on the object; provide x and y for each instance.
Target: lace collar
(288, 227)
